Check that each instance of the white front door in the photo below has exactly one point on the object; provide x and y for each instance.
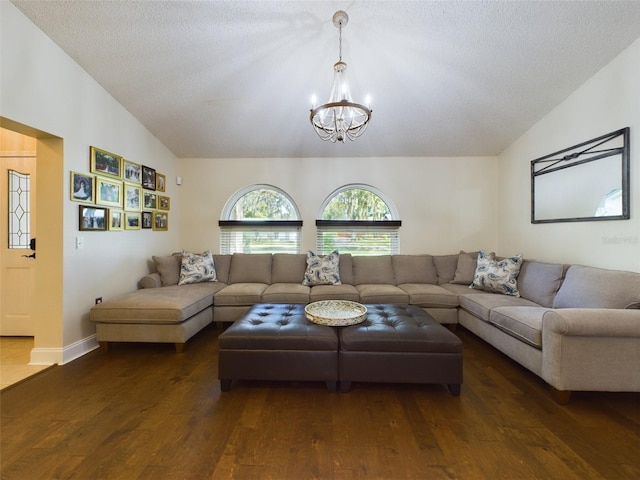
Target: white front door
(17, 268)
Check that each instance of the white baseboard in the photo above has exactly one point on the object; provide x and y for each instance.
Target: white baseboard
(60, 356)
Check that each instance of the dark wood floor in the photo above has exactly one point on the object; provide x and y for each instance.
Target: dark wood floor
(144, 412)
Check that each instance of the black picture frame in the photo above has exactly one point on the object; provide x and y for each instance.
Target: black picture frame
(148, 178)
(92, 219)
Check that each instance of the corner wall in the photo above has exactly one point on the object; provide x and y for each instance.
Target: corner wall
(610, 100)
(41, 87)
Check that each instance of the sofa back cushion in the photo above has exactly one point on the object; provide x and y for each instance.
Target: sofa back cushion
(590, 287)
(346, 269)
(374, 269)
(169, 268)
(222, 264)
(250, 268)
(288, 268)
(414, 269)
(466, 268)
(446, 267)
(539, 281)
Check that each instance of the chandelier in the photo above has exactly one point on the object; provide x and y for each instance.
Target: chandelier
(340, 118)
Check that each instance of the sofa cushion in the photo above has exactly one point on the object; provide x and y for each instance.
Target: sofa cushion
(223, 264)
(334, 292)
(172, 304)
(539, 281)
(480, 304)
(286, 293)
(497, 276)
(428, 295)
(197, 268)
(322, 270)
(446, 266)
(250, 268)
(590, 287)
(414, 269)
(465, 268)
(382, 293)
(288, 268)
(169, 268)
(523, 323)
(240, 294)
(346, 269)
(373, 269)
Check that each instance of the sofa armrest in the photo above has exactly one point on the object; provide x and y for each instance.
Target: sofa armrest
(593, 322)
(592, 349)
(150, 281)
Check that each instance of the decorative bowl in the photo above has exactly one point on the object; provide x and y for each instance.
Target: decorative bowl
(336, 313)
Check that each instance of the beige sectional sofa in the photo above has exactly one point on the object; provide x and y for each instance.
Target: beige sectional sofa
(577, 327)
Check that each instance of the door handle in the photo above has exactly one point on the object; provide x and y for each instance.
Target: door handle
(33, 255)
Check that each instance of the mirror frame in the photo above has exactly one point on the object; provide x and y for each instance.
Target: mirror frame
(581, 154)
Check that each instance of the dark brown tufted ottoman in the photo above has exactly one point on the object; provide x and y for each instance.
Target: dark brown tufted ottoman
(276, 342)
(399, 344)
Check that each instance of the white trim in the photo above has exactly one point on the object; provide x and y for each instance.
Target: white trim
(61, 356)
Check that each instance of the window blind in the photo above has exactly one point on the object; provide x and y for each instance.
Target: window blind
(358, 237)
(238, 236)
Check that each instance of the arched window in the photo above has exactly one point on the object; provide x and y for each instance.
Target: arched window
(360, 220)
(260, 219)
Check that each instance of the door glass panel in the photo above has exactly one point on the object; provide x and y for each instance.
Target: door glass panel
(19, 209)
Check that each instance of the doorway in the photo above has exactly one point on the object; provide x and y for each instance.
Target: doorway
(17, 230)
(39, 304)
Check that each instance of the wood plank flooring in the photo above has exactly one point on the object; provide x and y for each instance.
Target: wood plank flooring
(142, 411)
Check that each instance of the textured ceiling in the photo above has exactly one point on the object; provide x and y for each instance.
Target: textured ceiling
(235, 78)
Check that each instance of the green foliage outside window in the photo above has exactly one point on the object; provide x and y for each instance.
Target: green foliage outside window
(356, 204)
(263, 204)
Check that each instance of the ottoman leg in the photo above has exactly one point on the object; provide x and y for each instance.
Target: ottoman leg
(454, 388)
(345, 386)
(225, 384)
(331, 386)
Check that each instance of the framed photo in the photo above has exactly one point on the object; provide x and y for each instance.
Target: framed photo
(164, 203)
(148, 178)
(132, 197)
(108, 192)
(160, 221)
(150, 200)
(116, 219)
(132, 221)
(92, 218)
(132, 172)
(161, 182)
(105, 163)
(146, 219)
(82, 187)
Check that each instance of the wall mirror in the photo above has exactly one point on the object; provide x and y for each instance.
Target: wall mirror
(586, 182)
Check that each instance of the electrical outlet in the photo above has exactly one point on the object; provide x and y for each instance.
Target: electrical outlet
(98, 300)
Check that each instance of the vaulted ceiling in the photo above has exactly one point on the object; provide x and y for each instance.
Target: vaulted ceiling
(235, 78)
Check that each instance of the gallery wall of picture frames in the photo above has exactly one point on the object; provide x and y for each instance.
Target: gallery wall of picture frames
(118, 194)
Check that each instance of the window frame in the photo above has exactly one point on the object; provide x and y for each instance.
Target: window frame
(233, 227)
(359, 227)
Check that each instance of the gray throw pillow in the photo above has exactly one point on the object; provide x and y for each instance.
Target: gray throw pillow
(197, 268)
(322, 270)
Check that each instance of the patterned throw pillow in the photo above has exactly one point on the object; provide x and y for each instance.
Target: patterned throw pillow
(497, 275)
(197, 268)
(322, 270)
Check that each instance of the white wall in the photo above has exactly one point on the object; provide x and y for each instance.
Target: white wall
(42, 87)
(445, 204)
(610, 100)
